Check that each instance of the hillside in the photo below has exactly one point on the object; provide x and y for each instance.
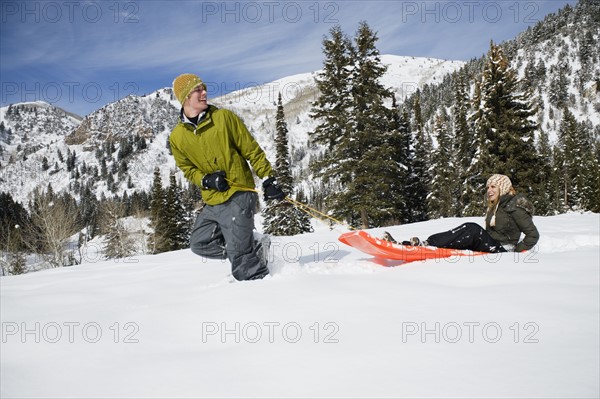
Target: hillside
(329, 322)
(28, 133)
(257, 106)
(150, 118)
(558, 59)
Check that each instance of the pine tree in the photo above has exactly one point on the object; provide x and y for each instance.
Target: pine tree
(282, 164)
(158, 241)
(375, 171)
(103, 168)
(579, 169)
(559, 85)
(281, 217)
(333, 106)
(140, 203)
(571, 160)
(88, 212)
(332, 111)
(441, 199)
(192, 201)
(589, 176)
(519, 156)
(559, 188)
(176, 218)
(12, 214)
(480, 164)
(593, 178)
(504, 130)
(71, 160)
(400, 144)
(13, 217)
(355, 129)
(463, 146)
(419, 177)
(548, 180)
(118, 242)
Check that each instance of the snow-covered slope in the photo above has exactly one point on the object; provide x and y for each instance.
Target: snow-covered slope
(329, 322)
(559, 59)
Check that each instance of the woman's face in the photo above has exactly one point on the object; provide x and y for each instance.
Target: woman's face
(493, 193)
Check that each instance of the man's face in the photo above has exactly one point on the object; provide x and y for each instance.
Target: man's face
(197, 99)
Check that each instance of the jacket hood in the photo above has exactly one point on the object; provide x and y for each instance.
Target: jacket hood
(520, 201)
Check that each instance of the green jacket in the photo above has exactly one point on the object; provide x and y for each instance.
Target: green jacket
(513, 217)
(220, 141)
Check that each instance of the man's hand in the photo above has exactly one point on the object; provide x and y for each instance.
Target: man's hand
(272, 191)
(215, 181)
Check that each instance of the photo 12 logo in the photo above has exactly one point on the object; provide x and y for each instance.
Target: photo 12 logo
(66, 92)
(470, 11)
(269, 11)
(69, 332)
(52, 12)
(470, 331)
(252, 332)
(293, 252)
(253, 92)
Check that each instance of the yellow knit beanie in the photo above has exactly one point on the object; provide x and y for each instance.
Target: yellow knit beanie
(184, 84)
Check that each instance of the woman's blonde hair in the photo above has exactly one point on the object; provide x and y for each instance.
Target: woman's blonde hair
(505, 187)
(493, 203)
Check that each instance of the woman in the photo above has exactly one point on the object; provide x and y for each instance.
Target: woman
(508, 215)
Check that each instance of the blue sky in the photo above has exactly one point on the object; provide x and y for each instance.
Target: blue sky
(81, 55)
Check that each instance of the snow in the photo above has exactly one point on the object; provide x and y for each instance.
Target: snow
(328, 322)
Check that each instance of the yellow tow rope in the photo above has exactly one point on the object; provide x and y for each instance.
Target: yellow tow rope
(303, 207)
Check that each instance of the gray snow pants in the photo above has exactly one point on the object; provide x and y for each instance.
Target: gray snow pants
(225, 231)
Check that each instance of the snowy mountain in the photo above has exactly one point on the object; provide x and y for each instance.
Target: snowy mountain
(28, 133)
(558, 59)
(329, 322)
(257, 106)
(561, 58)
(152, 117)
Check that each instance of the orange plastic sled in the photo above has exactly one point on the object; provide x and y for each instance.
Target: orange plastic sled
(382, 249)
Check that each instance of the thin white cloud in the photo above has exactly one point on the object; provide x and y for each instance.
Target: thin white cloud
(152, 41)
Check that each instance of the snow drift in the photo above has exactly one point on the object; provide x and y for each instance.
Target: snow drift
(329, 322)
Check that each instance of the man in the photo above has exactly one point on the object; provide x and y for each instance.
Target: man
(212, 147)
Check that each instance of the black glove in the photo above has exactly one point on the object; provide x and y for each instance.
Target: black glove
(215, 181)
(272, 190)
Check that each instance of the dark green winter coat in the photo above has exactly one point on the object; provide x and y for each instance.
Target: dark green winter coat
(220, 141)
(513, 217)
